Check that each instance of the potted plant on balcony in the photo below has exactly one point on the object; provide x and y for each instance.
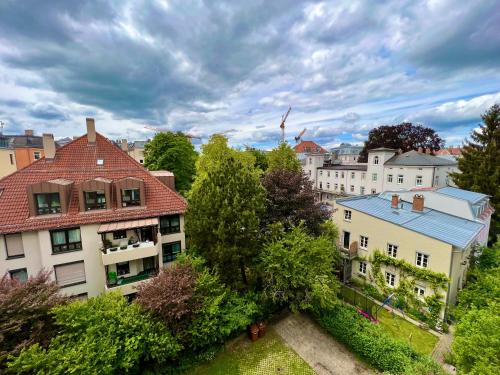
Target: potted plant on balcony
(112, 278)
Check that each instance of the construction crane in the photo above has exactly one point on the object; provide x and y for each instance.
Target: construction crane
(298, 138)
(282, 125)
(158, 130)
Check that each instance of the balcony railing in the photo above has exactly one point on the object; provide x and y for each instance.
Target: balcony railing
(143, 275)
(130, 252)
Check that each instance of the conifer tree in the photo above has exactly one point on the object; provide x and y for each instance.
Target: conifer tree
(479, 164)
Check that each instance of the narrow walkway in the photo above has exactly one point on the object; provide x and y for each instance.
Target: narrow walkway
(324, 354)
(442, 347)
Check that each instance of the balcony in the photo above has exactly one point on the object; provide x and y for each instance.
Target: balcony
(128, 285)
(126, 252)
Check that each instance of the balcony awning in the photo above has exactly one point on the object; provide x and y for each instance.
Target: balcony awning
(131, 224)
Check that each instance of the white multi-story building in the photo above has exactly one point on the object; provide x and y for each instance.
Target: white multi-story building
(91, 215)
(386, 170)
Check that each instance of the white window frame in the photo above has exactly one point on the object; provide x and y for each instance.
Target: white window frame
(328, 174)
(401, 179)
(362, 190)
(374, 177)
(352, 188)
(363, 175)
(419, 290)
(392, 250)
(328, 185)
(341, 174)
(336, 186)
(424, 261)
(375, 160)
(336, 174)
(347, 215)
(37, 155)
(389, 178)
(363, 242)
(390, 279)
(321, 185)
(353, 175)
(418, 180)
(374, 191)
(362, 268)
(320, 172)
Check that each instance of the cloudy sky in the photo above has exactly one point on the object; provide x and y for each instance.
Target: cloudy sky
(209, 66)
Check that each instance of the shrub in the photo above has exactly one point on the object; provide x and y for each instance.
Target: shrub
(372, 343)
(24, 313)
(105, 334)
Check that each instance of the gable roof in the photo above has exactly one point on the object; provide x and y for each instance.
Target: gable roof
(77, 162)
(309, 146)
(415, 158)
(450, 151)
(447, 228)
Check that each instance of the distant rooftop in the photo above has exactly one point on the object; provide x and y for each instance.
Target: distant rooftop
(469, 196)
(346, 167)
(447, 228)
(415, 158)
(309, 146)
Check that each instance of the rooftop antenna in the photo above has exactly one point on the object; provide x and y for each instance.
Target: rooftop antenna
(298, 138)
(282, 125)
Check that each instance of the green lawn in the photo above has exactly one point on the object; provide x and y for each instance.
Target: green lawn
(421, 340)
(268, 355)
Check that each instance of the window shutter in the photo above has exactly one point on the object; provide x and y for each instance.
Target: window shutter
(14, 245)
(68, 274)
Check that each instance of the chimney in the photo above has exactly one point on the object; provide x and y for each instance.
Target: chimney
(29, 132)
(166, 177)
(420, 150)
(124, 145)
(394, 201)
(418, 203)
(90, 130)
(49, 146)
(428, 151)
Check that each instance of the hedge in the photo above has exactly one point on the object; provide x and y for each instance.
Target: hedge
(371, 343)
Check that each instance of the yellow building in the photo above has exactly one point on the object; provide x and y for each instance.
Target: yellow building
(7, 161)
(389, 229)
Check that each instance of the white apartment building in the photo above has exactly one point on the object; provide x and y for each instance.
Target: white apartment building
(386, 170)
(91, 215)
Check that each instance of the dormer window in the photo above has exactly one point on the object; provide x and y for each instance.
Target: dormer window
(131, 197)
(95, 200)
(47, 203)
(375, 160)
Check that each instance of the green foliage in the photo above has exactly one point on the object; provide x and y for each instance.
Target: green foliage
(260, 156)
(477, 341)
(372, 343)
(104, 334)
(297, 269)
(283, 157)
(175, 153)
(225, 203)
(479, 163)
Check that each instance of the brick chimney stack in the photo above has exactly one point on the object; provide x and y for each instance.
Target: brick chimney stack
(124, 145)
(29, 132)
(394, 201)
(428, 151)
(49, 146)
(91, 130)
(418, 203)
(420, 150)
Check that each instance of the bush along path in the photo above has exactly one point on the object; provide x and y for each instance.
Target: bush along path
(371, 343)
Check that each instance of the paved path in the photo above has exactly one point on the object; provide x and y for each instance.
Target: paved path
(323, 353)
(443, 346)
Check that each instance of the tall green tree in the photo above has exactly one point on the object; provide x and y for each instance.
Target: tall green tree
(283, 157)
(479, 164)
(175, 153)
(225, 204)
(404, 136)
(261, 159)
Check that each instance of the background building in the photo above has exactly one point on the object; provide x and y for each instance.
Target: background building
(346, 153)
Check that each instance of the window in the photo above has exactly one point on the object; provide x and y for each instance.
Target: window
(389, 178)
(352, 188)
(20, 275)
(14, 245)
(419, 291)
(170, 224)
(336, 174)
(320, 185)
(119, 234)
(47, 203)
(362, 268)
(95, 200)
(328, 185)
(422, 260)
(374, 177)
(310, 160)
(170, 251)
(131, 197)
(70, 274)
(418, 181)
(346, 240)
(400, 179)
(66, 240)
(342, 187)
(347, 215)
(328, 174)
(392, 250)
(141, 161)
(363, 242)
(11, 159)
(375, 160)
(100, 162)
(390, 278)
(363, 175)
(309, 173)
(336, 186)
(374, 191)
(341, 174)
(362, 190)
(353, 175)
(321, 173)
(36, 155)
(122, 268)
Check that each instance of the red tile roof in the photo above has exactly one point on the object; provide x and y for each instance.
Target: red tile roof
(309, 146)
(77, 162)
(449, 151)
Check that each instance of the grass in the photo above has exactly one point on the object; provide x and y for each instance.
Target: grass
(421, 340)
(268, 355)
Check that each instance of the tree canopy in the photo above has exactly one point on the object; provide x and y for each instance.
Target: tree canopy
(404, 136)
(175, 153)
(283, 157)
(225, 205)
(261, 159)
(479, 163)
